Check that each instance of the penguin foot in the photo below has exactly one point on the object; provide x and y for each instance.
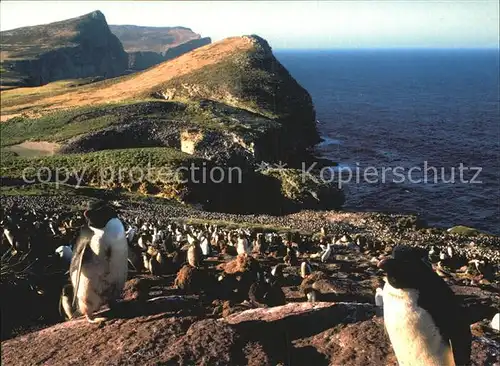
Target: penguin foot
(91, 319)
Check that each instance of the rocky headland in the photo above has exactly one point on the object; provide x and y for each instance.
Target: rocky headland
(149, 46)
(229, 104)
(71, 49)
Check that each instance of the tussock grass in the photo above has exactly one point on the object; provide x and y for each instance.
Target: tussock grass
(152, 171)
(59, 126)
(63, 125)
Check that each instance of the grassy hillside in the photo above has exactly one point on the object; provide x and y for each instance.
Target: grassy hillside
(46, 99)
(229, 103)
(62, 125)
(110, 169)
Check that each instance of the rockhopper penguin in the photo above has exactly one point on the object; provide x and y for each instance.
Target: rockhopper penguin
(98, 269)
(422, 315)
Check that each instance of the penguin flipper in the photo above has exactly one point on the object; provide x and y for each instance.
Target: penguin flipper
(448, 314)
(82, 254)
(461, 340)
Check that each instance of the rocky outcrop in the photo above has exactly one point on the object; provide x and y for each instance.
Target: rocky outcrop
(293, 334)
(142, 60)
(149, 46)
(75, 48)
(136, 38)
(254, 80)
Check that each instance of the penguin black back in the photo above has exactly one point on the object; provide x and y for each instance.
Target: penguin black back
(407, 270)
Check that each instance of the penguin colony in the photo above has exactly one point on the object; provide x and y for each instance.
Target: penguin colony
(99, 249)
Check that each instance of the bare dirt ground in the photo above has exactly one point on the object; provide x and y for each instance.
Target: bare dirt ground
(34, 148)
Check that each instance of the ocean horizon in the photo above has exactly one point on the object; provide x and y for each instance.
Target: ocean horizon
(407, 107)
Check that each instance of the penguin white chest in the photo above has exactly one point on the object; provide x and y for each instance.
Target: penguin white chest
(111, 252)
(414, 336)
(242, 246)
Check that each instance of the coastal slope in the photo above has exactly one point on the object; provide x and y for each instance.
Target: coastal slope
(239, 74)
(230, 104)
(75, 48)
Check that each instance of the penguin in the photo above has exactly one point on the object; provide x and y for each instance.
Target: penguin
(305, 269)
(162, 262)
(65, 253)
(311, 295)
(155, 266)
(242, 245)
(327, 252)
(290, 258)
(130, 234)
(277, 272)
(168, 243)
(154, 261)
(146, 261)
(134, 257)
(267, 292)
(422, 315)
(495, 322)
(17, 239)
(65, 305)
(260, 245)
(99, 265)
(433, 255)
(205, 247)
(143, 241)
(379, 297)
(194, 254)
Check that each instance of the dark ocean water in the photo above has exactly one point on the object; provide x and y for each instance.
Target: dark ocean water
(402, 108)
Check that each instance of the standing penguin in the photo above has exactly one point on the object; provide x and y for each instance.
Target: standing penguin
(194, 254)
(422, 316)
(99, 266)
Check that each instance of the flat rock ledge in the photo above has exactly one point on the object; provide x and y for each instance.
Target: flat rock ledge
(322, 333)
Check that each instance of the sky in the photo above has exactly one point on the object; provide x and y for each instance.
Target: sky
(292, 24)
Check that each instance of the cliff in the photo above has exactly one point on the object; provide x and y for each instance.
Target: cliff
(252, 79)
(153, 39)
(230, 103)
(74, 48)
(149, 46)
(250, 94)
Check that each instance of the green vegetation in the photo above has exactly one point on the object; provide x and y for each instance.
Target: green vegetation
(238, 81)
(221, 117)
(464, 231)
(144, 170)
(306, 190)
(91, 162)
(63, 125)
(6, 154)
(50, 189)
(58, 126)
